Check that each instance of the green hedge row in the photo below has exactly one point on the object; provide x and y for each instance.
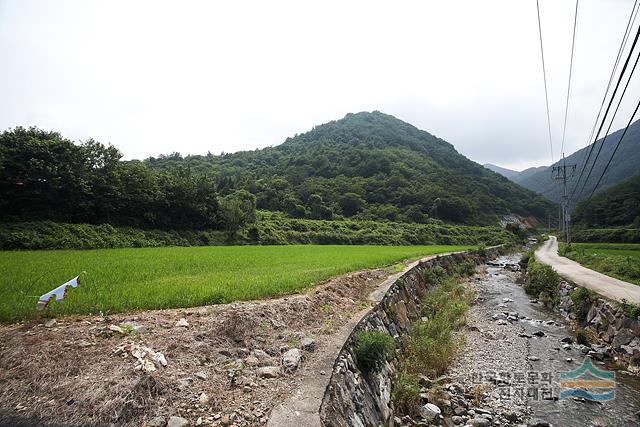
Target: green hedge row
(607, 235)
(270, 229)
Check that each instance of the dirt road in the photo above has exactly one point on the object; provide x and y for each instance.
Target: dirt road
(582, 276)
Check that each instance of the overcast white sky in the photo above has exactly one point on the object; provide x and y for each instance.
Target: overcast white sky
(154, 77)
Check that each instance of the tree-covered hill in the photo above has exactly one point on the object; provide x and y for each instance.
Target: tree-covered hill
(366, 166)
(612, 207)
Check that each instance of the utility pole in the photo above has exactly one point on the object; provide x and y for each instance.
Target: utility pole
(562, 173)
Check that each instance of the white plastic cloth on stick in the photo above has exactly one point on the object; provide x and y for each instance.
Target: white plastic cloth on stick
(59, 293)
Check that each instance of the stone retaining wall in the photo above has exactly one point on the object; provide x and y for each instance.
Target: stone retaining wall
(354, 398)
(607, 320)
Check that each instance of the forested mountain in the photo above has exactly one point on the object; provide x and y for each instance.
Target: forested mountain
(616, 206)
(366, 166)
(625, 164)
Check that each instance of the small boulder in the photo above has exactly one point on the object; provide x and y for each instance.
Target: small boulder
(262, 356)
(203, 399)
(268, 372)
(291, 359)
(116, 328)
(177, 422)
(538, 423)
(251, 361)
(84, 344)
(511, 416)
(201, 375)
(479, 422)
(156, 422)
(50, 323)
(184, 383)
(182, 323)
(308, 344)
(623, 337)
(430, 411)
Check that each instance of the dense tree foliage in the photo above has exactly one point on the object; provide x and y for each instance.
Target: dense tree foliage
(44, 176)
(612, 207)
(366, 166)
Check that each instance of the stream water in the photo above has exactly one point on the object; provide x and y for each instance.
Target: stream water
(548, 358)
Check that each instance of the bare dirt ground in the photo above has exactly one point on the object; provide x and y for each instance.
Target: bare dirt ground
(224, 363)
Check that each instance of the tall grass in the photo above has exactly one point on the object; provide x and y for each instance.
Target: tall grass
(432, 343)
(119, 280)
(618, 260)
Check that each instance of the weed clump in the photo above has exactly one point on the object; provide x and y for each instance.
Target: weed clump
(582, 299)
(582, 337)
(630, 309)
(406, 392)
(542, 282)
(372, 348)
(435, 275)
(432, 343)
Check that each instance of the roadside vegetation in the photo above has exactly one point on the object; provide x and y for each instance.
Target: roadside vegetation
(542, 282)
(430, 347)
(116, 280)
(607, 235)
(270, 228)
(621, 261)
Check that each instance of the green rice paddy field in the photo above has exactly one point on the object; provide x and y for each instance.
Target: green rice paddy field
(116, 280)
(619, 260)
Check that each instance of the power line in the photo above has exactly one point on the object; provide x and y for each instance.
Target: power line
(566, 108)
(544, 76)
(623, 43)
(615, 149)
(584, 184)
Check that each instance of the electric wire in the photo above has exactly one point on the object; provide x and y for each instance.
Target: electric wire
(615, 150)
(587, 156)
(566, 108)
(609, 127)
(544, 77)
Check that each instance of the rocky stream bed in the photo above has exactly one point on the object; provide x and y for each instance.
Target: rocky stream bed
(507, 371)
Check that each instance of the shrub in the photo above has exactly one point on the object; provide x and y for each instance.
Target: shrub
(630, 309)
(406, 393)
(434, 275)
(432, 344)
(465, 268)
(582, 299)
(582, 337)
(371, 349)
(482, 250)
(542, 280)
